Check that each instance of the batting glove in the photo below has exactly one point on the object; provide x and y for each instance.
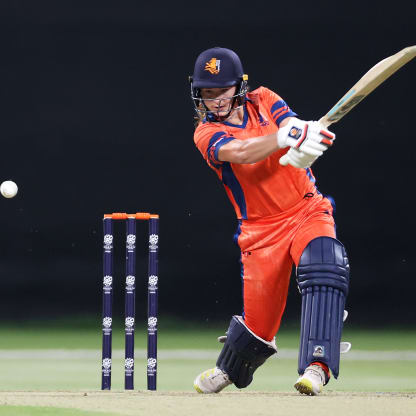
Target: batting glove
(308, 141)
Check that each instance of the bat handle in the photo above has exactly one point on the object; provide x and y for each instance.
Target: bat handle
(324, 122)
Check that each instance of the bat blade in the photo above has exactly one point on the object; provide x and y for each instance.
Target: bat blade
(368, 83)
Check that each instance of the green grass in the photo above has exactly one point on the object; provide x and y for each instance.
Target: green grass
(49, 373)
(6, 410)
(178, 375)
(86, 334)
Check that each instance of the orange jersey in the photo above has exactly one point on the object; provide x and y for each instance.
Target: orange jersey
(263, 188)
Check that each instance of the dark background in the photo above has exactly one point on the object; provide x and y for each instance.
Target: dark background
(95, 117)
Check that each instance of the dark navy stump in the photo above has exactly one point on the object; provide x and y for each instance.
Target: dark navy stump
(107, 315)
(152, 303)
(130, 302)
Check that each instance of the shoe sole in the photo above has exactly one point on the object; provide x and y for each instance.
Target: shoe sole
(305, 387)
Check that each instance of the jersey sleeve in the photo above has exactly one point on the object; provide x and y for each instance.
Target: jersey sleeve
(276, 105)
(209, 140)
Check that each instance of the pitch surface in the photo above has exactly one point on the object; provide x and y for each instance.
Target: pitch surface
(179, 403)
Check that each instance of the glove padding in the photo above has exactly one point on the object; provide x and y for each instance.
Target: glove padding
(297, 159)
(308, 141)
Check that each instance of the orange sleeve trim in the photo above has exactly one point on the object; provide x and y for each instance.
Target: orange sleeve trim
(277, 112)
(280, 113)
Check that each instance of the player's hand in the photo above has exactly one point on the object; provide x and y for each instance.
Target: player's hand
(297, 159)
(308, 141)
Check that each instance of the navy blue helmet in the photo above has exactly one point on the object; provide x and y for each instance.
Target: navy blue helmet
(217, 68)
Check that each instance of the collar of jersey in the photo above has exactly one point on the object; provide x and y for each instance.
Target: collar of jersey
(245, 119)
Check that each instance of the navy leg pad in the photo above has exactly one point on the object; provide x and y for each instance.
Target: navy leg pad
(323, 280)
(243, 353)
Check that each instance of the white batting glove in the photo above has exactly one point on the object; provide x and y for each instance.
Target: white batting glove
(297, 159)
(308, 141)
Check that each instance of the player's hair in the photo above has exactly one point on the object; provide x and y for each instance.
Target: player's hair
(198, 117)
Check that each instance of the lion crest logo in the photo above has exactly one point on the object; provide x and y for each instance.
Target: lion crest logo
(213, 66)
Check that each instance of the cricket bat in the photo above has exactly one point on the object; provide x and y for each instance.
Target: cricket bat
(368, 83)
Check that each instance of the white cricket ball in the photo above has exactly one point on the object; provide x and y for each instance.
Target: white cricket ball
(8, 189)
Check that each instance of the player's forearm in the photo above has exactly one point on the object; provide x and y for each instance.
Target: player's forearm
(258, 148)
(249, 150)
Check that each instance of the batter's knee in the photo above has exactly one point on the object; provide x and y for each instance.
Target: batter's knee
(324, 261)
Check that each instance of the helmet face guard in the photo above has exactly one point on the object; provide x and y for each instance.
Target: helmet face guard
(218, 68)
(234, 102)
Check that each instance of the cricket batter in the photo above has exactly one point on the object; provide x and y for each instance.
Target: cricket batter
(262, 153)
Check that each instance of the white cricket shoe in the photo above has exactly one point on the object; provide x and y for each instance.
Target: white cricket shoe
(212, 381)
(312, 381)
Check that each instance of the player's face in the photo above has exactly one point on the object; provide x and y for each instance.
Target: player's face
(218, 100)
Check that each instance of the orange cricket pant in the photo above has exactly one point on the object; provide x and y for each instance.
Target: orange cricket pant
(270, 247)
